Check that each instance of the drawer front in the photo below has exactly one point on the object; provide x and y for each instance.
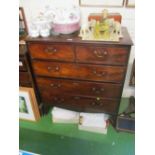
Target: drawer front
(80, 103)
(24, 77)
(79, 71)
(22, 64)
(102, 55)
(51, 51)
(79, 87)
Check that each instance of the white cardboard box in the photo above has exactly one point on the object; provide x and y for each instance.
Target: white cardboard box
(60, 115)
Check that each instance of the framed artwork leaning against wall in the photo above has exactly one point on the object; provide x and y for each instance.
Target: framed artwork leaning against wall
(28, 107)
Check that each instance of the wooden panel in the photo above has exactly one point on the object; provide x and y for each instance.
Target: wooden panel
(22, 84)
(96, 89)
(51, 51)
(102, 55)
(24, 77)
(73, 39)
(79, 71)
(80, 103)
(22, 64)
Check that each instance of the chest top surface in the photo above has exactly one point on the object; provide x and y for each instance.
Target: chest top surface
(74, 38)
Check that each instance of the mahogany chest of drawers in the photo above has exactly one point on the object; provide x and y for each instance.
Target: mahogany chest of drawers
(80, 75)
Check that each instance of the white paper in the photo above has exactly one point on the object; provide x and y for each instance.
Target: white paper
(63, 114)
(20, 63)
(93, 120)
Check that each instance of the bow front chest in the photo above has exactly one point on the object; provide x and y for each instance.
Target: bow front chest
(77, 74)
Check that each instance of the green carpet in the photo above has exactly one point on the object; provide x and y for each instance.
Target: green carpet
(44, 137)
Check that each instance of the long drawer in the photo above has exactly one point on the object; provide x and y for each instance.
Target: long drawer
(102, 55)
(75, 87)
(79, 71)
(51, 51)
(80, 103)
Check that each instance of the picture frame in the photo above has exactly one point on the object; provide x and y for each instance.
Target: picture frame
(101, 3)
(130, 3)
(125, 124)
(28, 107)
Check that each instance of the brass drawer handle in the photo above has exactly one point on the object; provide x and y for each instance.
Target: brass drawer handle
(75, 83)
(57, 68)
(93, 89)
(102, 89)
(93, 103)
(99, 74)
(55, 99)
(54, 69)
(101, 104)
(100, 54)
(55, 85)
(96, 103)
(59, 100)
(51, 50)
(49, 68)
(97, 91)
(76, 97)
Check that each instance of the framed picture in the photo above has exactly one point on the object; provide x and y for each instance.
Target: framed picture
(28, 107)
(101, 3)
(130, 3)
(126, 124)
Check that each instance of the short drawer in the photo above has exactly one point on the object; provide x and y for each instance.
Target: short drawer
(22, 64)
(80, 103)
(23, 84)
(102, 55)
(79, 71)
(24, 77)
(51, 51)
(82, 88)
